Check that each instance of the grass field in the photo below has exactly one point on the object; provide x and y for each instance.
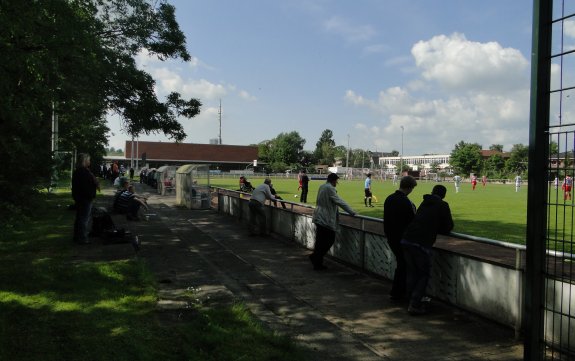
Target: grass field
(55, 305)
(495, 211)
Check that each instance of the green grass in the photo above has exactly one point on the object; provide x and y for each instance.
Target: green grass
(54, 306)
(495, 212)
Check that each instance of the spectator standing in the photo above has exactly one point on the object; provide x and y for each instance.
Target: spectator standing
(398, 212)
(84, 186)
(367, 190)
(256, 206)
(131, 173)
(304, 186)
(326, 219)
(433, 217)
(115, 171)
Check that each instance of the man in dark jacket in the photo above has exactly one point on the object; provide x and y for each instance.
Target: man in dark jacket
(398, 212)
(84, 185)
(433, 217)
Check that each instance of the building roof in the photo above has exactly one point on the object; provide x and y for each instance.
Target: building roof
(486, 153)
(188, 152)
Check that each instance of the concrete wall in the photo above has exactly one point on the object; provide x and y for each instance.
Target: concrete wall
(492, 290)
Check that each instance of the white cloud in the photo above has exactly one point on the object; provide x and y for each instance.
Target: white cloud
(569, 28)
(484, 98)
(350, 32)
(458, 64)
(247, 96)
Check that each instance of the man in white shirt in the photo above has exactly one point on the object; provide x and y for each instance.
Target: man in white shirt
(457, 182)
(256, 205)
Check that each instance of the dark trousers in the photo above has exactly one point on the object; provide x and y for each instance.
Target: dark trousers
(257, 215)
(82, 221)
(418, 261)
(303, 197)
(324, 239)
(398, 288)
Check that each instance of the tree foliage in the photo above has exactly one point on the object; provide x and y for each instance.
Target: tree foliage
(75, 59)
(466, 158)
(517, 162)
(496, 147)
(325, 148)
(283, 152)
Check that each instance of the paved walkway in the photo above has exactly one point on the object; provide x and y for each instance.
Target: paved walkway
(338, 314)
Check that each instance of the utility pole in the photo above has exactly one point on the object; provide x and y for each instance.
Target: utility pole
(54, 177)
(220, 114)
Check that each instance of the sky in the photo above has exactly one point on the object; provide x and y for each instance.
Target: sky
(444, 70)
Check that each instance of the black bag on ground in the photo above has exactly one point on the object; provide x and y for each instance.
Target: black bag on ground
(102, 222)
(103, 226)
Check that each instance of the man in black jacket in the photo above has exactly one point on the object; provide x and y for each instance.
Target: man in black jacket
(398, 212)
(84, 185)
(433, 217)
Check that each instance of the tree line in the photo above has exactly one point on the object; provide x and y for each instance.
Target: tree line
(74, 61)
(286, 152)
(466, 158)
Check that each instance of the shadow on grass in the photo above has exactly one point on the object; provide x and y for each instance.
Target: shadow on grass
(54, 306)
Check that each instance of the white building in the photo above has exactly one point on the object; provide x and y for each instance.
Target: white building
(418, 162)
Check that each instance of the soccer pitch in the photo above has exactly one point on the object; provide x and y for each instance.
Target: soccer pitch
(495, 211)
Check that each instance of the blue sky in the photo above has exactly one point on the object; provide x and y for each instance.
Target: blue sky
(445, 70)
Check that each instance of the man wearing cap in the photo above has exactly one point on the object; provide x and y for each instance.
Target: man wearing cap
(256, 205)
(326, 220)
(433, 217)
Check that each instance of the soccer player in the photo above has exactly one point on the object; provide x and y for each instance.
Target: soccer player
(567, 184)
(457, 182)
(473, 181)
(517, 183)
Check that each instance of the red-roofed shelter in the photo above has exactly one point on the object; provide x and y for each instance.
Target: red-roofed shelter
(220, 156)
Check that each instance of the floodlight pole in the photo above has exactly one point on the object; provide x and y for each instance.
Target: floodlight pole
(347, 158)
(401, 157)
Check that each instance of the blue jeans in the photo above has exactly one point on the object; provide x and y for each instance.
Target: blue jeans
(418, 262)
(82, 221)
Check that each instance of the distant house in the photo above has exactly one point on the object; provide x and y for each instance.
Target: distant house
(219, 156)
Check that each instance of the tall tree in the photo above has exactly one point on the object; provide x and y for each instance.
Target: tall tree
(75, 60)
(285, 151)
(494, 166)
(496, 147)
(466, 158)
(517, 162)
(324, 148)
